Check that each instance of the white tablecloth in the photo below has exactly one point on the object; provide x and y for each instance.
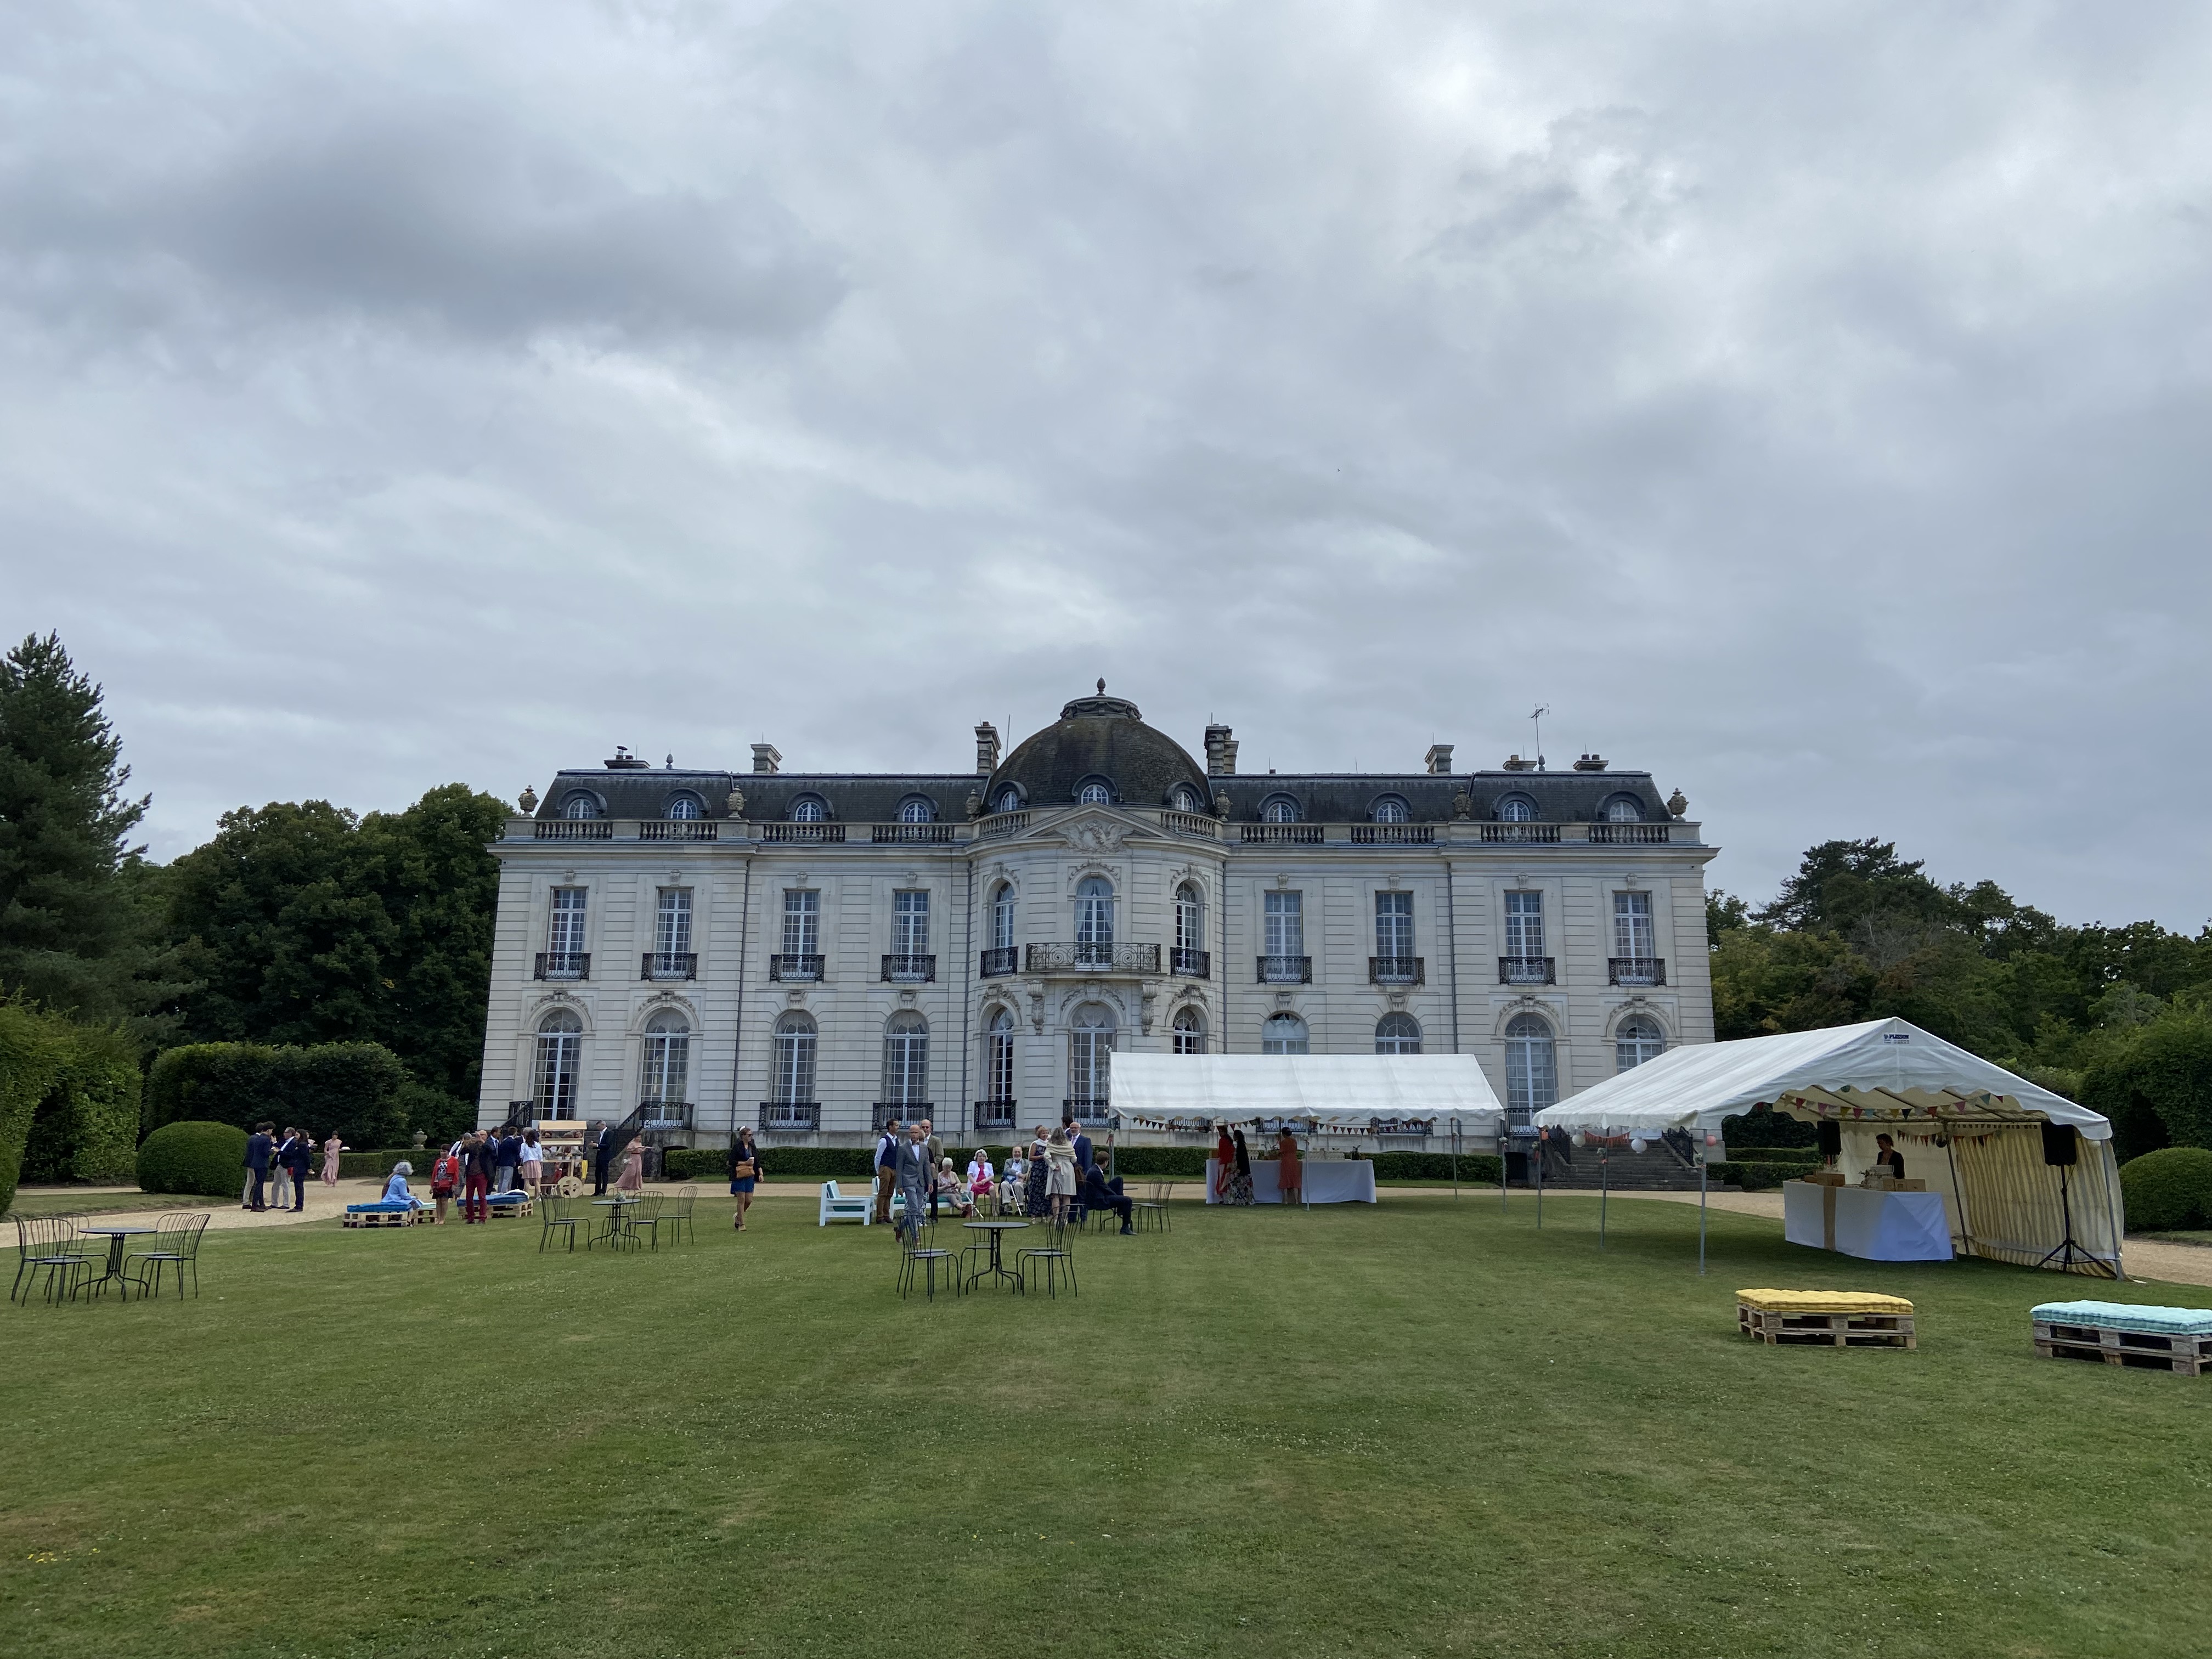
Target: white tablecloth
(1873, 1226)
(1327, 1181)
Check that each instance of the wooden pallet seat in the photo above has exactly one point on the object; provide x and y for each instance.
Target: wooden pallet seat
(2177, 1340)
(1837, 1319)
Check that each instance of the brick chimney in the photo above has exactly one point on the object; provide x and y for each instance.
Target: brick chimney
(1439, 760)
(987, 750)
(767, 757)
(1221, 752)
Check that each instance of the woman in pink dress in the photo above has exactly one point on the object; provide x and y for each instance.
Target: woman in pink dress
(332, 1148)
(633, 1169)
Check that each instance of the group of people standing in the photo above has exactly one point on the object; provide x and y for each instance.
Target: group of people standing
(277, 1168)
(481, 1162)
(1232, 1168)
(1044, 1182)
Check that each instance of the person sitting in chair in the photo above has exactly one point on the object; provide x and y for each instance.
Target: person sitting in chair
(953, 1192)
(1100, 1194)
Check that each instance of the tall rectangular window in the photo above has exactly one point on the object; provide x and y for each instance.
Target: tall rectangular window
(802, 921)
(1394, 924)
(909, 924)
(564, 936)
(1286, 924)
(671, 923)
(1631, 925)
(1525, 924)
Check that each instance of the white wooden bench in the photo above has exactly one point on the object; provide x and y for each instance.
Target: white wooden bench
(844, 1207)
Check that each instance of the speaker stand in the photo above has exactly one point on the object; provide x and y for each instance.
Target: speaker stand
(2066, 1252)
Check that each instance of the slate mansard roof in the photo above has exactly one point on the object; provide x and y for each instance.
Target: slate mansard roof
(1102, 738)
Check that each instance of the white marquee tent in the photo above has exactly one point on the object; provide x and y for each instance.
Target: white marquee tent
(1372, 1095)
(1973, 1128)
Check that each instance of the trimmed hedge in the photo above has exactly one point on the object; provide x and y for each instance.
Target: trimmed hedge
(354, 1089)
(1807, 1156)
(206, 1158)
(30, 1061)
(360, 1166)
(1763, 1125)
(1136, 1162)
(1760, 1175)
(86, 1128)
(2168, 1188)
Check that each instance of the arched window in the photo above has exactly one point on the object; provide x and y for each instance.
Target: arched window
(1517, 809)
(1189, 918)
(1010, 799)
(668, 1069)
(1397, 1034)
(1091, 1052)
(1624, 808)
(1094, 922)
(794, 1059)
(906, 1058)
(1279, 809)
(917, 809)
(581, 805)
(1190, 1032)
(999, 1057)
(1002, 917)
(1284, 1034)
(808, 809)
(560, 1051)
(1186, 799)
(1636, 1040)
(1531, 1078)
(684, 806)
(1391, 809)
(1095, 792)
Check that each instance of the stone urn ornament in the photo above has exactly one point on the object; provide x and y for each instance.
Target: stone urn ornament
(1677, 803)
(735, 800)
(528, 803)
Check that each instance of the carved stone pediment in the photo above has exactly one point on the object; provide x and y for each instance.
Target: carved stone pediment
(1096, 836)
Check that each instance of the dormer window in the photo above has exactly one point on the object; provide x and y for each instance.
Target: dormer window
(1517, 809)
(1185, 799)
(1391, 809)
(1095, 792)
(1624, 808)
(1279, 809)
(917, 809)
(809, 809)
(685, 806)
(1010, 800)
(581, 806)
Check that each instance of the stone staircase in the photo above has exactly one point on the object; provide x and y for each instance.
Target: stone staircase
(1656, 1169)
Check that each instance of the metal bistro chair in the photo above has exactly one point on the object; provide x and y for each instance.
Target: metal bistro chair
(651, 1215)
(50, 1245)
(1152, 1207)
(553, 1211)
(1055, 1260)
(920, 1256)
(176, 1245)
(680, 1222)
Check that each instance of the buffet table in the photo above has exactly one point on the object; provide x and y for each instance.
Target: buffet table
(1327, 1181)
(1871, 1225)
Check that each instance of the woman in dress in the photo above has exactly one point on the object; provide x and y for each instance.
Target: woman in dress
(395, 1189)
(1060, 1182)
(1225, 1163)
(953, 1191)
(1290, 1178)
(633, 1169)
(1240, 1183)
(745, 1170)
(332, 1151)
(1040, 1174)
(982, 1179)
(532, 1162)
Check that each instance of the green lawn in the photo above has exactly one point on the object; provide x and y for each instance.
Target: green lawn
(81, 1203)
(1417, 1429)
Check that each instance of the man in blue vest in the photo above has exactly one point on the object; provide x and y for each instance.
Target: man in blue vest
(259, 1146)
(887, 1156)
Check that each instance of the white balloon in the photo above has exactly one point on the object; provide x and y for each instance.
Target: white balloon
(1635, 1143)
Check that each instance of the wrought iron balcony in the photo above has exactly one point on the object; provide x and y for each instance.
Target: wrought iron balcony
(1520, 832)
(1089, 958)
(1525, 970)
(663, 1115)
(1087, 1109)
(795, 969)
(679, 829)
(564, 965)
(996, 1114)
(669, 964)
(574, 829)
(1395, 970)
(817, 834)
(1285, 971)
(1190, 964)
(1196, 825)
(1001, 961)
(1629, 834)
(911, 832)
(910, 970)
(801, 1115)
(1002, 823)
(1281, 834)
(888, 1112)
(1394, 834)
(1636, 970)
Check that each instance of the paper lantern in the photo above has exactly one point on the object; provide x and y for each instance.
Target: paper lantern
(1581, 1139)
(1713, 1139)
(1635, 1143)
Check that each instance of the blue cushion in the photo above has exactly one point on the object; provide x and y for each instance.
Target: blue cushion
(381, 1204)
(2127, 1316)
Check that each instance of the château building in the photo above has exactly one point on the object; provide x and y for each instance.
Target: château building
(811, 953)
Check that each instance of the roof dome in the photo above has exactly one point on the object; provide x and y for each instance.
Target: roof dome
(1104, 739)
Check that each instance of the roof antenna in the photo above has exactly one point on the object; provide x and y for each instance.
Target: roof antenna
(1537, 718)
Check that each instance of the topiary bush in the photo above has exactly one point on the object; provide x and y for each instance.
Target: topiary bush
(86, 1128)
(355, 1089)
(2167, 1189)
(30, 1059)
(193, 1158)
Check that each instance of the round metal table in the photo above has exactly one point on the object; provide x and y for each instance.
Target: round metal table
(996, 1231)
(115, 1236)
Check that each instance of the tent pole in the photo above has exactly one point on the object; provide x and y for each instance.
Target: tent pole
(1965, 1230)
(1454, 1155)
(1604, 1187)
(1539, 1185)
(1701, 1215)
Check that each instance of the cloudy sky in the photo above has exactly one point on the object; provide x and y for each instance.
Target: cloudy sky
(1807, 402)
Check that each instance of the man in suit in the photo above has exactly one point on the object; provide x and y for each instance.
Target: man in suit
(916, 1171)
(510, 1158)
(887, 1157)
(295, 1155)
(260, 1146)
(600, 1152)
(936, 1155)
(1081, 1142)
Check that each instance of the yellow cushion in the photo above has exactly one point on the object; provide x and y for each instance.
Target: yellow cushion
(1828, 1302)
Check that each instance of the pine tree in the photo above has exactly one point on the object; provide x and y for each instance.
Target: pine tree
(75, 935)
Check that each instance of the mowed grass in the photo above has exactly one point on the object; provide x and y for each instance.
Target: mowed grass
(1421, 1428)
